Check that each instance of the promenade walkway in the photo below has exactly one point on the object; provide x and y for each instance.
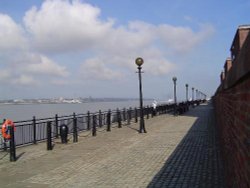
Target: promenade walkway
(179, 151)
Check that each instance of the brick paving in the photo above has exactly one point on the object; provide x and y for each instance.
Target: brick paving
(177, 151)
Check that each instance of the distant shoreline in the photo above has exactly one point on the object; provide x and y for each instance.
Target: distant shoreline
(65, 101)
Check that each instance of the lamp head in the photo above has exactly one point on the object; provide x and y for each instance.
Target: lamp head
(174, 79)
(139, 61)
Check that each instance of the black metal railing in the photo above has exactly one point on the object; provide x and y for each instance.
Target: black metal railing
(35, 130)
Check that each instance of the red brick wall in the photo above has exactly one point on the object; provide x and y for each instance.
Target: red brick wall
(233, 121)
(232, 104)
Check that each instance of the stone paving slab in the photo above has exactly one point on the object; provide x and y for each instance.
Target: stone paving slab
(177, 151)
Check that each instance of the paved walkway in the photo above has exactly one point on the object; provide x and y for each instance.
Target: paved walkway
(176, 152)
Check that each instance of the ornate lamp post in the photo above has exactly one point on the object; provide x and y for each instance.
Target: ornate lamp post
(186, 92)
(139, 61)
(175, 99)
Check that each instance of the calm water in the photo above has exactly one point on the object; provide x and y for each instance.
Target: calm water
(26, 112)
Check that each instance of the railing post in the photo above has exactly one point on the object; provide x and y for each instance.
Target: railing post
(75, 134)
(118, 113)
(100, 118)
(94, 126)
(109, 120)
(88, 120)
(49, 139)
(56, 124)
(12, 144)
(136, 114)
(34, 129)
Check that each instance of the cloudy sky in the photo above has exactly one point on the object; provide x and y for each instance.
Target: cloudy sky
(81, 48)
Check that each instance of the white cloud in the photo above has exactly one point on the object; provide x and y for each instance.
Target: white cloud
(28, 68)
(46, 66)
(60, 82)
(11, 35)
(64, 28)
(96, 69)
(4, 75)
(60, 26)
(25, 80)
(183, 39)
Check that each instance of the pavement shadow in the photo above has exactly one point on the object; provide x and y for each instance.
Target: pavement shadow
(19, 156)
(196, 160)
(135, 129)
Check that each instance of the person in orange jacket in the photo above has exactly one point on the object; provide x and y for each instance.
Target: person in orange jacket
(5, 129)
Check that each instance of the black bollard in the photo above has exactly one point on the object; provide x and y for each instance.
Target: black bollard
(75, 133)
(100, 118)
(152, 110)
(88, 120)
(109, 120)
(94, 126)
(124, 114)
(118, 113)
(12, 144)
(49, 139)
(64, 133)
(136, 115)
(128, 116)
(34, 129)
(56, 124)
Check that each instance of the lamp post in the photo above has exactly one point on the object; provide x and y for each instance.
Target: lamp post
(175, 99)
(196, 94)
(139, 61)
(192, 93)
(186, 92)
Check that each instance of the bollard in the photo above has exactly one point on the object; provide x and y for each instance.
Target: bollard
(124, 114)
(109, 120)
(75, 134)
(88, 120)
(100, 118)
(94, 126)
(56, 124)
(136, 118)
(128, 116)
(34, 129)
(118, 113)
(64, 133)
(12, 144)
(49, 139)
(152, 110)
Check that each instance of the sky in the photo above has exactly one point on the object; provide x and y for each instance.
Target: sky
(82, 48)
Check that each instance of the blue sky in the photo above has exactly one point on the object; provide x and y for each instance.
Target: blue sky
(87, 48)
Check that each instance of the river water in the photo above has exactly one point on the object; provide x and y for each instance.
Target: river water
(27, 111)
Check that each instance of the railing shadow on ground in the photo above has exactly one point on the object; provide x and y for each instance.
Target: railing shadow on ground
(196, 160)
